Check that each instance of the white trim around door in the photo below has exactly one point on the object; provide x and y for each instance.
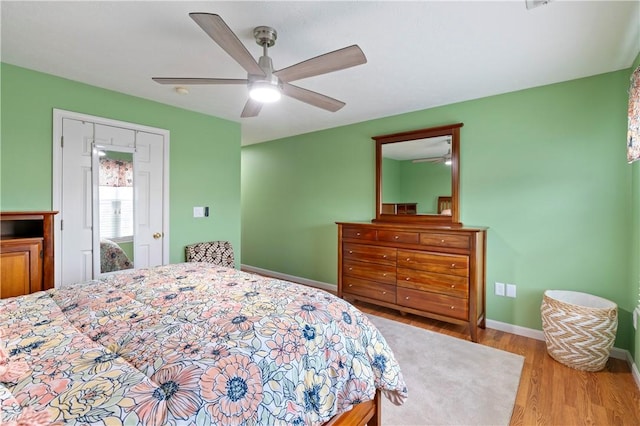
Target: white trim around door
(57, 185)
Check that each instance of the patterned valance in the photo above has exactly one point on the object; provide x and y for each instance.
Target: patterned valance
(115, 172)
(633, 134)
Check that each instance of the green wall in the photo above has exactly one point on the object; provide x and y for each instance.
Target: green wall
(424, 183)
(409, 182)
(391, 182)
(204, 152)
(543, 168)
(128, 249)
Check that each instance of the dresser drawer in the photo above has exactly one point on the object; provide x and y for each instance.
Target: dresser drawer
(399, 237)
(370, 271)
(450, 264)
(433, 302)
(438, 283)
(370, 289)
(365, 253)
(360, 233)
(445, 240)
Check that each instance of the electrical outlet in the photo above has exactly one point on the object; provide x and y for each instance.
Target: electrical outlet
(499, 289)
(511, 290)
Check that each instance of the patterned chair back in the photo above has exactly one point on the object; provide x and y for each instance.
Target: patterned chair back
(217, 252)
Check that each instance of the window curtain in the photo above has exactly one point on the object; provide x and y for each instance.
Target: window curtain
(633, 134)
(115, 172)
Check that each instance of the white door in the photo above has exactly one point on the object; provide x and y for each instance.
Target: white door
(73, 194)
(76, 212)
(113, 135)
(149, 158)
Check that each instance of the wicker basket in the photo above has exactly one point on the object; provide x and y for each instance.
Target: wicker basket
(579, 328)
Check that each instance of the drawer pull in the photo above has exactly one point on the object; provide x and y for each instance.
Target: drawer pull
(384, 292)
(442, 241)
(408, 278)
(453, 265)
(384, 275)
(453, 307)
(350, 285)
(358, 234)
(351, 269)
(384, 256)
(396, 237)
(408, 259)
(350, 251)
(406, 298)
(453, 286)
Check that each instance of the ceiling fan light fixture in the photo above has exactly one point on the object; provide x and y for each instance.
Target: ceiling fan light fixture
(264, 92)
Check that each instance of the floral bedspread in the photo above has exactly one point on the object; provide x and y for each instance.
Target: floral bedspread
(191, 343)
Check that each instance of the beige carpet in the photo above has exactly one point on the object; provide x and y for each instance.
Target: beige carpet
(450, 381)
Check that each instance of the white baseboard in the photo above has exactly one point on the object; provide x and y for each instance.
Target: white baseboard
(539, 335)
(496, 325)
(634, 370)
(311, 283)
(515, 329)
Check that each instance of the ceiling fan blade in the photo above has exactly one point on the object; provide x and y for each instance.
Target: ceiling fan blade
(312, 98)
(220, 32)
(333, 61)
(429, 160)
(251, 108)
(178, 80)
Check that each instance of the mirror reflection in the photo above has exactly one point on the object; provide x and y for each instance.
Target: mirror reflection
(115, 210)
(416, 177)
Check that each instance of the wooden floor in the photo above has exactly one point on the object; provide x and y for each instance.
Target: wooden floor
(550, 393)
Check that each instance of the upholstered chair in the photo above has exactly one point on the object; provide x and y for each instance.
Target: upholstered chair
(217, 252)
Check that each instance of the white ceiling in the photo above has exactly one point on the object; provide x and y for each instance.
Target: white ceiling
(420, 54)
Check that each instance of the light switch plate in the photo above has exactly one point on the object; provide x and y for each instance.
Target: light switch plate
(198, 212)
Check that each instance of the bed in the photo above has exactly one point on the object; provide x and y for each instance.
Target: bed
(191, 343)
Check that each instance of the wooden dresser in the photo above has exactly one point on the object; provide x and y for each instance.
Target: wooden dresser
(432, 271)
(26, 252)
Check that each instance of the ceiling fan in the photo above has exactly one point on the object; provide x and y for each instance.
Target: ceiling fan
(439, 159)
(265, 84)
(435, 152)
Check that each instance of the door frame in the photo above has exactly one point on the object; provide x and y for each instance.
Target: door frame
(58, 116)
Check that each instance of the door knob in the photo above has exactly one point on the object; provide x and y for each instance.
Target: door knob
(157, 235)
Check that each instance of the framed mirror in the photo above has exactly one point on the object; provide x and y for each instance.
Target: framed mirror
(417, 176)
(113, 209)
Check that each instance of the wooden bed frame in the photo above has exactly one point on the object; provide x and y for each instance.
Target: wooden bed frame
(366, 413)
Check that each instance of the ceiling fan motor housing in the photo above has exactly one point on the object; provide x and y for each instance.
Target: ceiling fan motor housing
(268, 78)
(265, 36)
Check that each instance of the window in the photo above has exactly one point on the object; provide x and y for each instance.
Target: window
(116, 213)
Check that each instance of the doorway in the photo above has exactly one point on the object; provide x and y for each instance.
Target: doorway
(128, 216)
